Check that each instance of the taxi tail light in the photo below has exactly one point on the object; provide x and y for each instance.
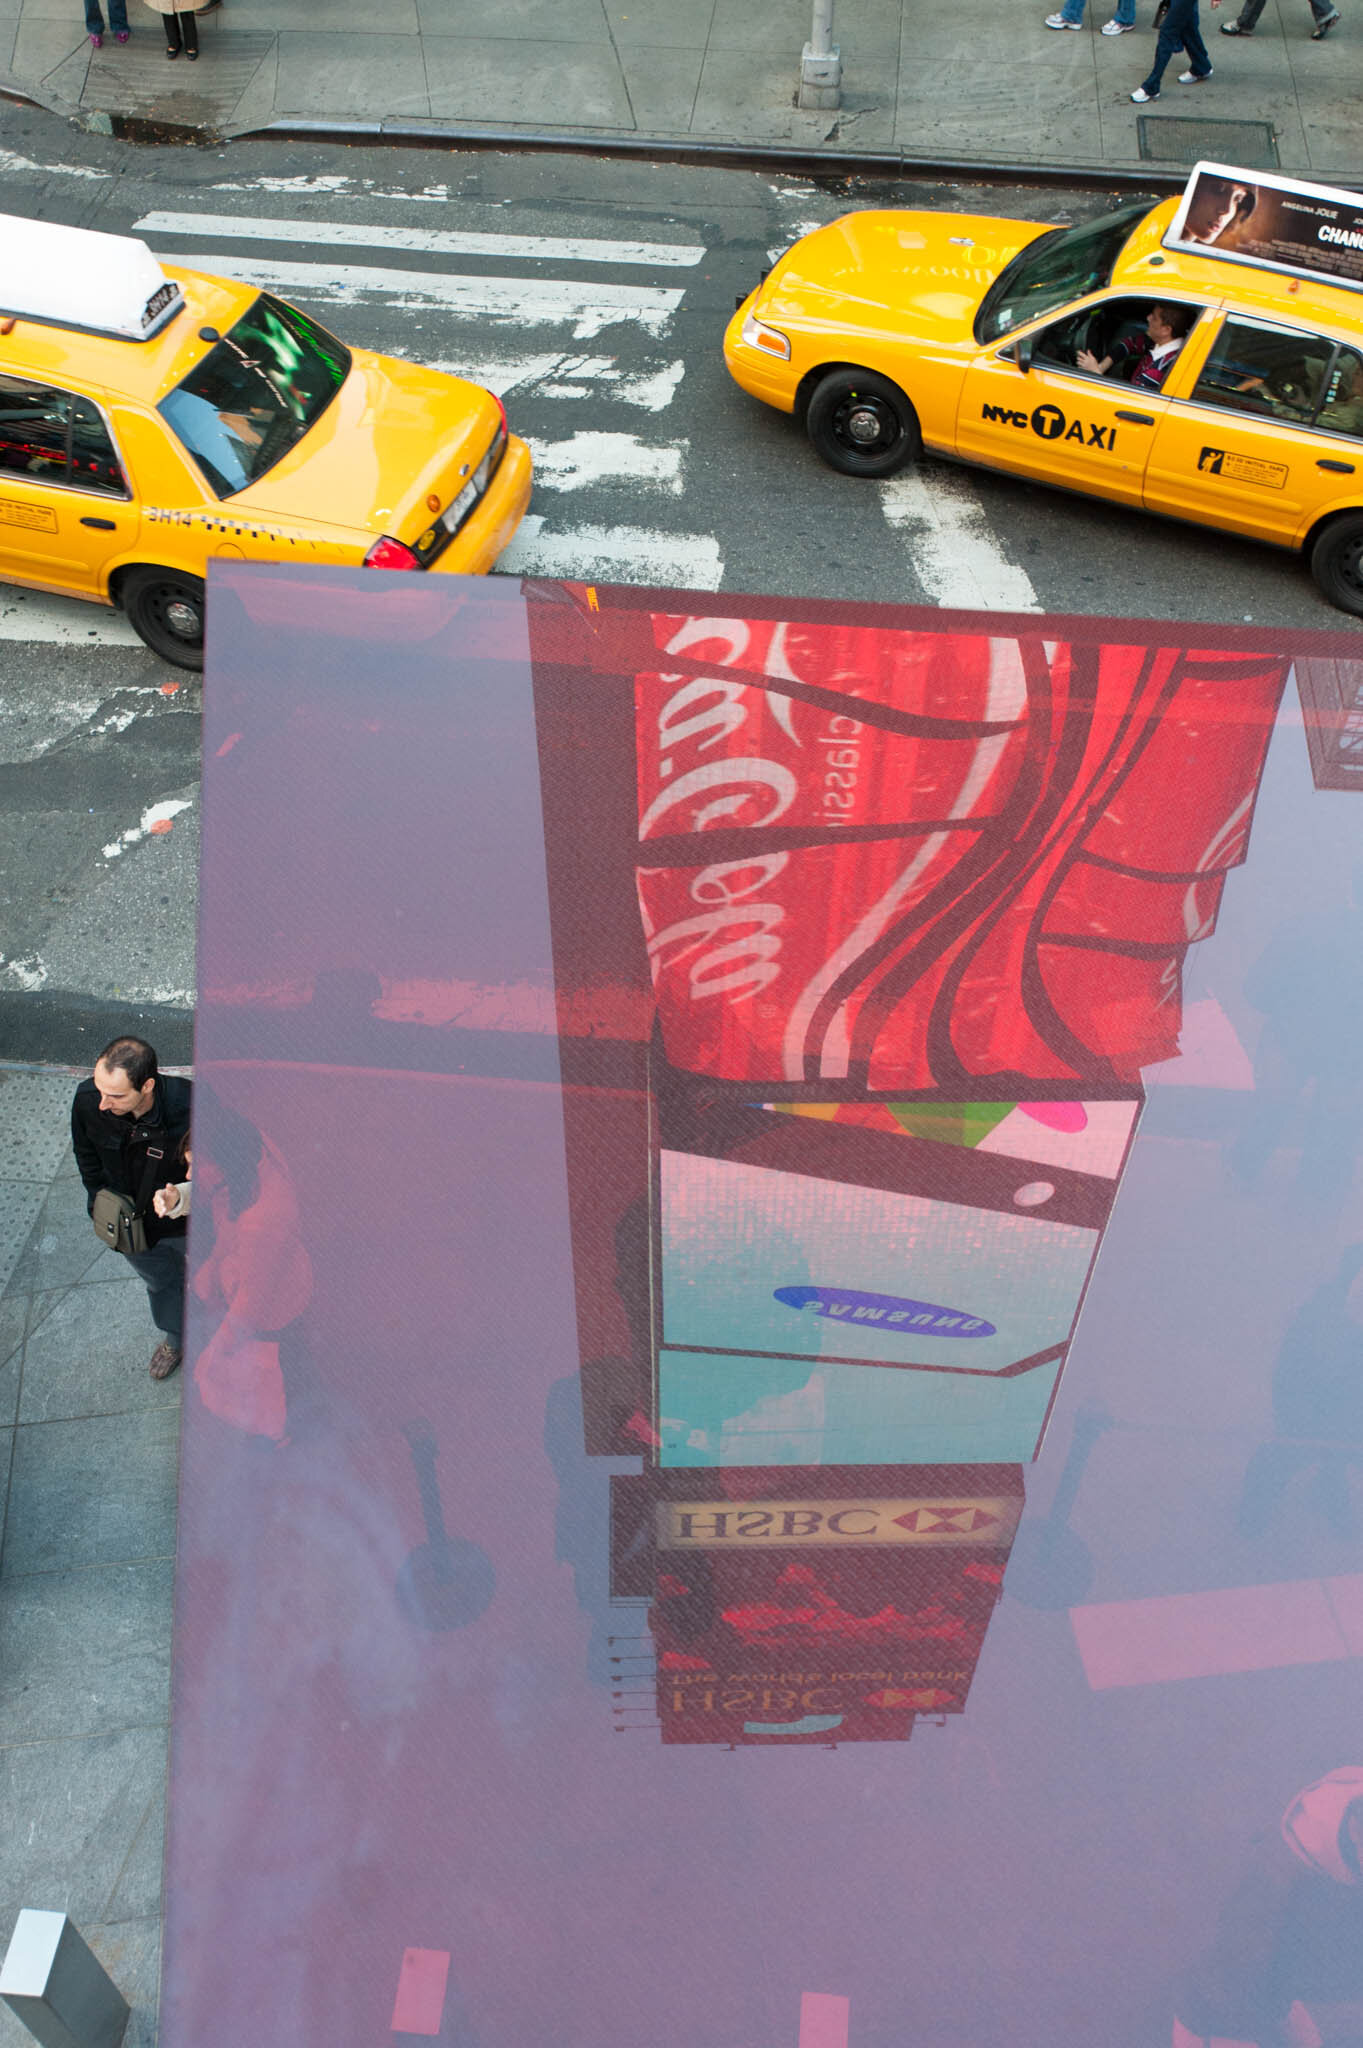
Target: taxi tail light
(388, 553)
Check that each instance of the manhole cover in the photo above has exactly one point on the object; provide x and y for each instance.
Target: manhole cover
(1174, 138)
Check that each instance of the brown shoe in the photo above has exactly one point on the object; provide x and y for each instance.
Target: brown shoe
(164, 1360)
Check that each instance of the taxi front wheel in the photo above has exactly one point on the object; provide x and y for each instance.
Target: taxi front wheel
(166, 609)
(862, 424)
(1337, 562)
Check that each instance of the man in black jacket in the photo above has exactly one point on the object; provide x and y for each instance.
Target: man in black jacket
(126, 1127)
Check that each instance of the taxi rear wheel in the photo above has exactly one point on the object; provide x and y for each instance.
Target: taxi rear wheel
(1337, 562)
(166, 609)
(862, 424)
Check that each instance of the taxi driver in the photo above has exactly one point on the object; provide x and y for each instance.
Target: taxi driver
(1166, 330)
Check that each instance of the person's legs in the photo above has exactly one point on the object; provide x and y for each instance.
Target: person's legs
(94, 20)
(189, 28)
(1073, 10)
(1198, 60)
(118, 17)
(1170, 39)
(171, 24)
(162, 1272)
(1247, 19)
(1126, 13)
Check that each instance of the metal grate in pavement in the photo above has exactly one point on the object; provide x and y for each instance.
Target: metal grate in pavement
(137, 78)
(1180, 139)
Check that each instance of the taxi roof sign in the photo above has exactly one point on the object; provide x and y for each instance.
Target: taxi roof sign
(78, 277)
(1271, 223)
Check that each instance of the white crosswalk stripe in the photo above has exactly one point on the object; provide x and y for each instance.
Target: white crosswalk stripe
(615, 554)
(954, 555)
(529, 301)
(336, 234)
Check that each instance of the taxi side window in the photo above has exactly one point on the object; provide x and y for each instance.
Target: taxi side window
(33, 430)
(53, 437)
(1115, 332)
(1265, 370)
(94, 459)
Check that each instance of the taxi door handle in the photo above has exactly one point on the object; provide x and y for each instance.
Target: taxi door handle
(1344, 468)
(105, 525)
(1137, 419)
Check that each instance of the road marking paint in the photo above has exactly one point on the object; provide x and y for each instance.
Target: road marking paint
(420, 2002)
(593, 458)
(651, 391)
(156, 819)
(335, 234)
(62, 621)
(10, 162)
(656, 391)
(534, 302)
(29, 974)
(329, 187)
(614, 554)
(954, 555)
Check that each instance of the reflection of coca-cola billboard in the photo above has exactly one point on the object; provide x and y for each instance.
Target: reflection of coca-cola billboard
(883, 873)
(817, 1606)
(988, 858)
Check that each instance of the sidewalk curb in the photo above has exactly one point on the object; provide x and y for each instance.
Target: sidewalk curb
(793, 159)
(796, 159)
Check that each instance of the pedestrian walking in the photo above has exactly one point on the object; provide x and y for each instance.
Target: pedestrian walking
(1071, 15)
(1178, 31)
(1323, 16)
(127, 1124)
(181, 27)
(118, 21)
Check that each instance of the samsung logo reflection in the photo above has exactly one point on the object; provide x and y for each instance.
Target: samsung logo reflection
(849, 1304)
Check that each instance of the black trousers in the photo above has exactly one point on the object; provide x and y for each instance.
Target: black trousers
(182, 30)
(162, 1271)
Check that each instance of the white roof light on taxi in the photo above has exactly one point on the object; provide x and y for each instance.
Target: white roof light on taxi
(77, 277)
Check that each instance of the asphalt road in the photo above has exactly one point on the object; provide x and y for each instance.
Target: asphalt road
(651, 467)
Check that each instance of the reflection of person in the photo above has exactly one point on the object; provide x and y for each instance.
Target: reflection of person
(1218, 208)
(1178, 31)
(1166, 330)
(1290, 1939)
(126, 1126)
(1317, 1405)
(255, 1274)
(173, 1199)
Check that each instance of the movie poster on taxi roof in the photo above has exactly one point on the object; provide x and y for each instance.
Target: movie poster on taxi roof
(1272, 223)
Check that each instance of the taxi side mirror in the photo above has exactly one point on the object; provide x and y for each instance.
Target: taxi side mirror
(1022, 353)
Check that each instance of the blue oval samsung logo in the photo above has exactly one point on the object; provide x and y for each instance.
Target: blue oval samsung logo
(885, 1311)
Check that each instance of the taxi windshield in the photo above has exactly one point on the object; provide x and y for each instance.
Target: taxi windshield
(1061, 266)
(256, 393)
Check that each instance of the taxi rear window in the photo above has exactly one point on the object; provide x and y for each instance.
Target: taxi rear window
(1052, 271)
(255, 394)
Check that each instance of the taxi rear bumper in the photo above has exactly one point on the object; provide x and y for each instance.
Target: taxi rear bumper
(492, 524)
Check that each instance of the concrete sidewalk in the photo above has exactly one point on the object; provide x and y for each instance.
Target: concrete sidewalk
(990, 84)
(89, 1461)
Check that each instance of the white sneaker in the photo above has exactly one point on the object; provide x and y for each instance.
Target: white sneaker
(1118, 28)
(1059, 21)
(1193, 77)
(1142, 97)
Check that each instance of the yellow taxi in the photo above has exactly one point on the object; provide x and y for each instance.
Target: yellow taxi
(154, 418)
(1202, 359)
